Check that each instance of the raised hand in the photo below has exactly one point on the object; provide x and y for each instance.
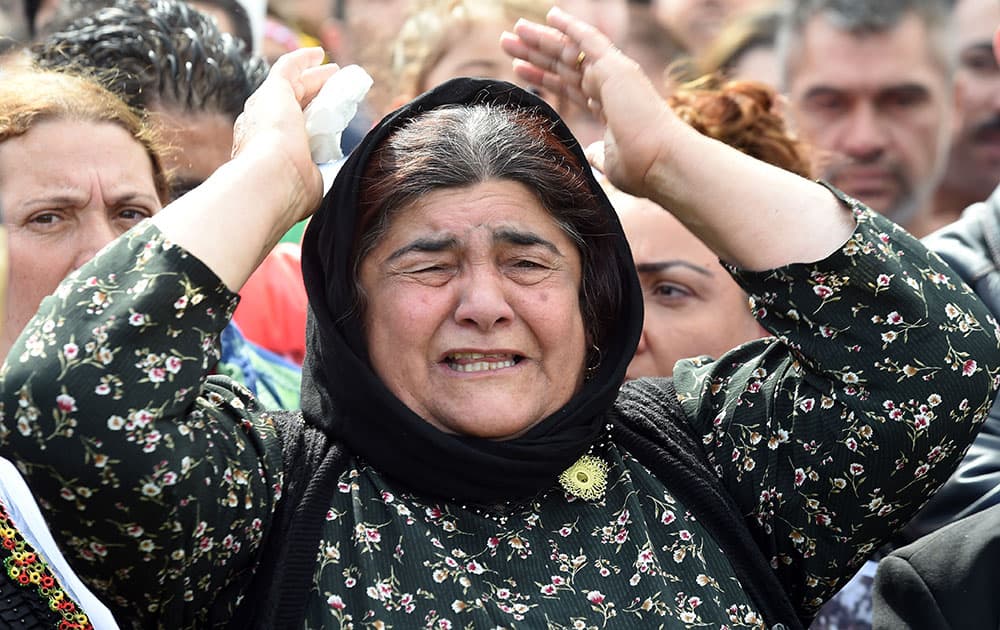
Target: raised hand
(574, 59)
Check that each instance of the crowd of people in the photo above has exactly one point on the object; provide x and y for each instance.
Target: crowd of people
(671, 313)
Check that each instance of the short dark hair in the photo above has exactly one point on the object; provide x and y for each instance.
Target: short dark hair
(463, 145)
(157, 53)
(237, 14)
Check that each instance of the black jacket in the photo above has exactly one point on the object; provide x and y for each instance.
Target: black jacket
(945, 580)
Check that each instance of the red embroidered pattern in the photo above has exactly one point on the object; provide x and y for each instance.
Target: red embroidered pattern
(27, 568)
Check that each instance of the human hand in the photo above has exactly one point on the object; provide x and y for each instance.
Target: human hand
(575, 60)
(273, 125)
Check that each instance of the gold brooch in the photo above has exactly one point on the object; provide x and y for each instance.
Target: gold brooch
(587, 478)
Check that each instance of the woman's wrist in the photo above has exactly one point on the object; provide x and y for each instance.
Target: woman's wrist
(232, 220)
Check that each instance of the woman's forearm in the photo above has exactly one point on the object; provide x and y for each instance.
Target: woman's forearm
(753, 215)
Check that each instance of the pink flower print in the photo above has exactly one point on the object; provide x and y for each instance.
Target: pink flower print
(565, 531)
(137, 319)
(800, 477)
(503, 594)
(102, 390)
(595, 597)
(921, 470)
(335, 602)
(969, 368)
(822, 291)
(668, 517)
(475, 568)
(173, 365)
(882, 280)
(894, 318)
(694, 602)
(71, 350)
(181, 302)
(558, 580)
(350, 582)
(66, 403)
(492, 542)
(857, 469)
(685, 534)
(548, 589)
(372, 535)
(387, 496)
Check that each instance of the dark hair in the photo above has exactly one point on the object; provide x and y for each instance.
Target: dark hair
(157, 53)
(237, 14)
(459, 146)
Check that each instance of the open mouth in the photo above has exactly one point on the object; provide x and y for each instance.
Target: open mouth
(480, 362)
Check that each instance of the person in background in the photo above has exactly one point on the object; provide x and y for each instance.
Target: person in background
(173, 62)
(974, 160)
(745, 48)
(871, 86)
(445, 39)
(75, 133)
(650, 44)
(694, 24)
(692, 306)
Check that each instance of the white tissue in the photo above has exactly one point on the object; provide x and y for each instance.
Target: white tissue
(329, 114)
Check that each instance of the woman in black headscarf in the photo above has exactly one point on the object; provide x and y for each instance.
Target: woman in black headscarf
(465, 454)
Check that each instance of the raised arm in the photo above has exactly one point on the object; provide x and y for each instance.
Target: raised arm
(753, 215)
(157, 482)
(243, 210)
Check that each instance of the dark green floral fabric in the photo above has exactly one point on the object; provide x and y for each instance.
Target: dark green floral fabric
(160, 485)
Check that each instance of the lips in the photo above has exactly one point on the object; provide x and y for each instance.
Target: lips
(480, 361)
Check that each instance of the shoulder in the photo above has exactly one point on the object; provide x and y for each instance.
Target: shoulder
(945, 579)
(966, 243)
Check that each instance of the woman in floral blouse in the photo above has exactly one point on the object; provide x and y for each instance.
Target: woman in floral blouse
(465, 455)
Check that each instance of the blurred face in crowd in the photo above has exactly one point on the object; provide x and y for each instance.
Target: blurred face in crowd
(692, 305)
(474, 52)
(201, 143)
(695, 23)
(877, 106)
(974, 163)
(371, 24)
(609, 16)
(89, 183)
(473, 310)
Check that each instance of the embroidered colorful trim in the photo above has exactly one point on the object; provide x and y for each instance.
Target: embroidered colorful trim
(27, 568)
(587, 478)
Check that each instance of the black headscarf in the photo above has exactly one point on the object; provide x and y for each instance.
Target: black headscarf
(342, 394)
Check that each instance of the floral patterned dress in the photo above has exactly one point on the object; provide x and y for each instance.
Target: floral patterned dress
(160, 485)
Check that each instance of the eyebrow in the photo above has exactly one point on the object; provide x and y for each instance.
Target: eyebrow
(654, 267)
(443, 243)
(826, 90)
(526, 239)
(429, 244)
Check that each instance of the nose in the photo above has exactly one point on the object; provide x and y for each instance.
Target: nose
(864, 134)
(93, 233)
(483, 299)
